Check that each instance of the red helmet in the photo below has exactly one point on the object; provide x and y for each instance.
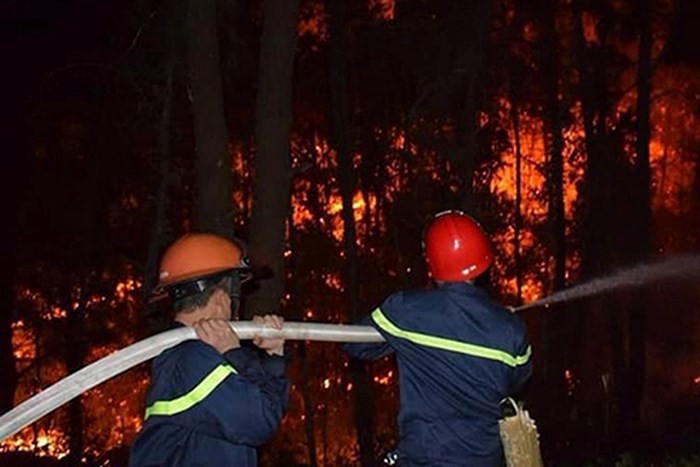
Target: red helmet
(456, 248)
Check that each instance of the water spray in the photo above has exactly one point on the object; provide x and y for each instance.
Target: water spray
(680, 266)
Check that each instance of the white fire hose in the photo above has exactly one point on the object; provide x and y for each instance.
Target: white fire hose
(97, 372)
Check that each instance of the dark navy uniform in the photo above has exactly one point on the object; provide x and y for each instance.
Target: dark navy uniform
(458, 355)
(208, 409)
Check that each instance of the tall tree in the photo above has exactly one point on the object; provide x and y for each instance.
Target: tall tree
(341, 142)
(296, 307)
(553, 137)
(12, 168)
(592, 86)
(272, 162)
(642, 180)
(166, 96)
(13, 171)
(213, 179)
(7, 361)
(550, 383)
(599, 246)
(468, 26)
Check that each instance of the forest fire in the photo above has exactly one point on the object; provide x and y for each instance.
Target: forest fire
(408, 136)
(41, 443)
(113, 413)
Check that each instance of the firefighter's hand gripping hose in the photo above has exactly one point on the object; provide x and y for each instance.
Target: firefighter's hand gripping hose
(73, 385)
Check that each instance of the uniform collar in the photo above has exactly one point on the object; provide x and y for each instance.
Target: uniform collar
(462, 287)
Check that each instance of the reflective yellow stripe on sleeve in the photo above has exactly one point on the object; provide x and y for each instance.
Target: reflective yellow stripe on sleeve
(449, 344)
(195, 396)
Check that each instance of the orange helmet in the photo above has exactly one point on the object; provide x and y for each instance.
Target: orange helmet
(456, 248)
(197, 260)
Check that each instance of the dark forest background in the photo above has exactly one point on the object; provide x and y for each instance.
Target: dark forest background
(326, 134)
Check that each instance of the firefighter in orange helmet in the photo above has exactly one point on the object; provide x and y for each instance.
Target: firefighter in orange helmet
(458, 353)
(211, 400)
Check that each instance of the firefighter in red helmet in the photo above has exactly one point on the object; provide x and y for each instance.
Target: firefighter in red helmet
(211, 400)
(458, 353)
(456, 248)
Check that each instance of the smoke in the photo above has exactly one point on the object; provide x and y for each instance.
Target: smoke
(677, 267)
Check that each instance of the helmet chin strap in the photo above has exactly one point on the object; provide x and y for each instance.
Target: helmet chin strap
(234, 294)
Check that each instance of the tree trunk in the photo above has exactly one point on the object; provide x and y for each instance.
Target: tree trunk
(598, 245)
(13, 167)
(340, 141)
(75, 355)
(296, 307)
(8, 241)
(555, 142)
(157, 317)
(7, 361)
(637, 321)
(642, 163)
(518, 224)
(470, 27)
(550, 381)
(591, 68)
(272, 162)
(160, 218)
(309, 425)
(213, 167)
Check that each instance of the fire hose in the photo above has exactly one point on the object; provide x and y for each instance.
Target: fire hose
(101, 370)
(519, 435)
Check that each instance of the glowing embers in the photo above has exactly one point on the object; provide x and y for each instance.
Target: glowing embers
(123, 290)
(384, 379)
(382, 10)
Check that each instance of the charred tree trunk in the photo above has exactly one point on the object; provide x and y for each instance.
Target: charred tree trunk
(555, 142)
(340, 140)
(213, 179)
(75, 355)
(591, 69)
(295, 305)
(272, 162)
(7, 361)
(157, 318)
(637, 321)
(309, 425)
(470, 26)
(518, 224)
(11, 166)
(642, 163)
(13, 170)
(160, 218)
(551, 385)
(598, 244)
(8, 241)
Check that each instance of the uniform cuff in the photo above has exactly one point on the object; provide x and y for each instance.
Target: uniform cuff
(275, 364)
(239, 358)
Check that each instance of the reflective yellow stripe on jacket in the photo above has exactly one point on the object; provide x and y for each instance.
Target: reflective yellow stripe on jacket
(195, 396)
(449, 344)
